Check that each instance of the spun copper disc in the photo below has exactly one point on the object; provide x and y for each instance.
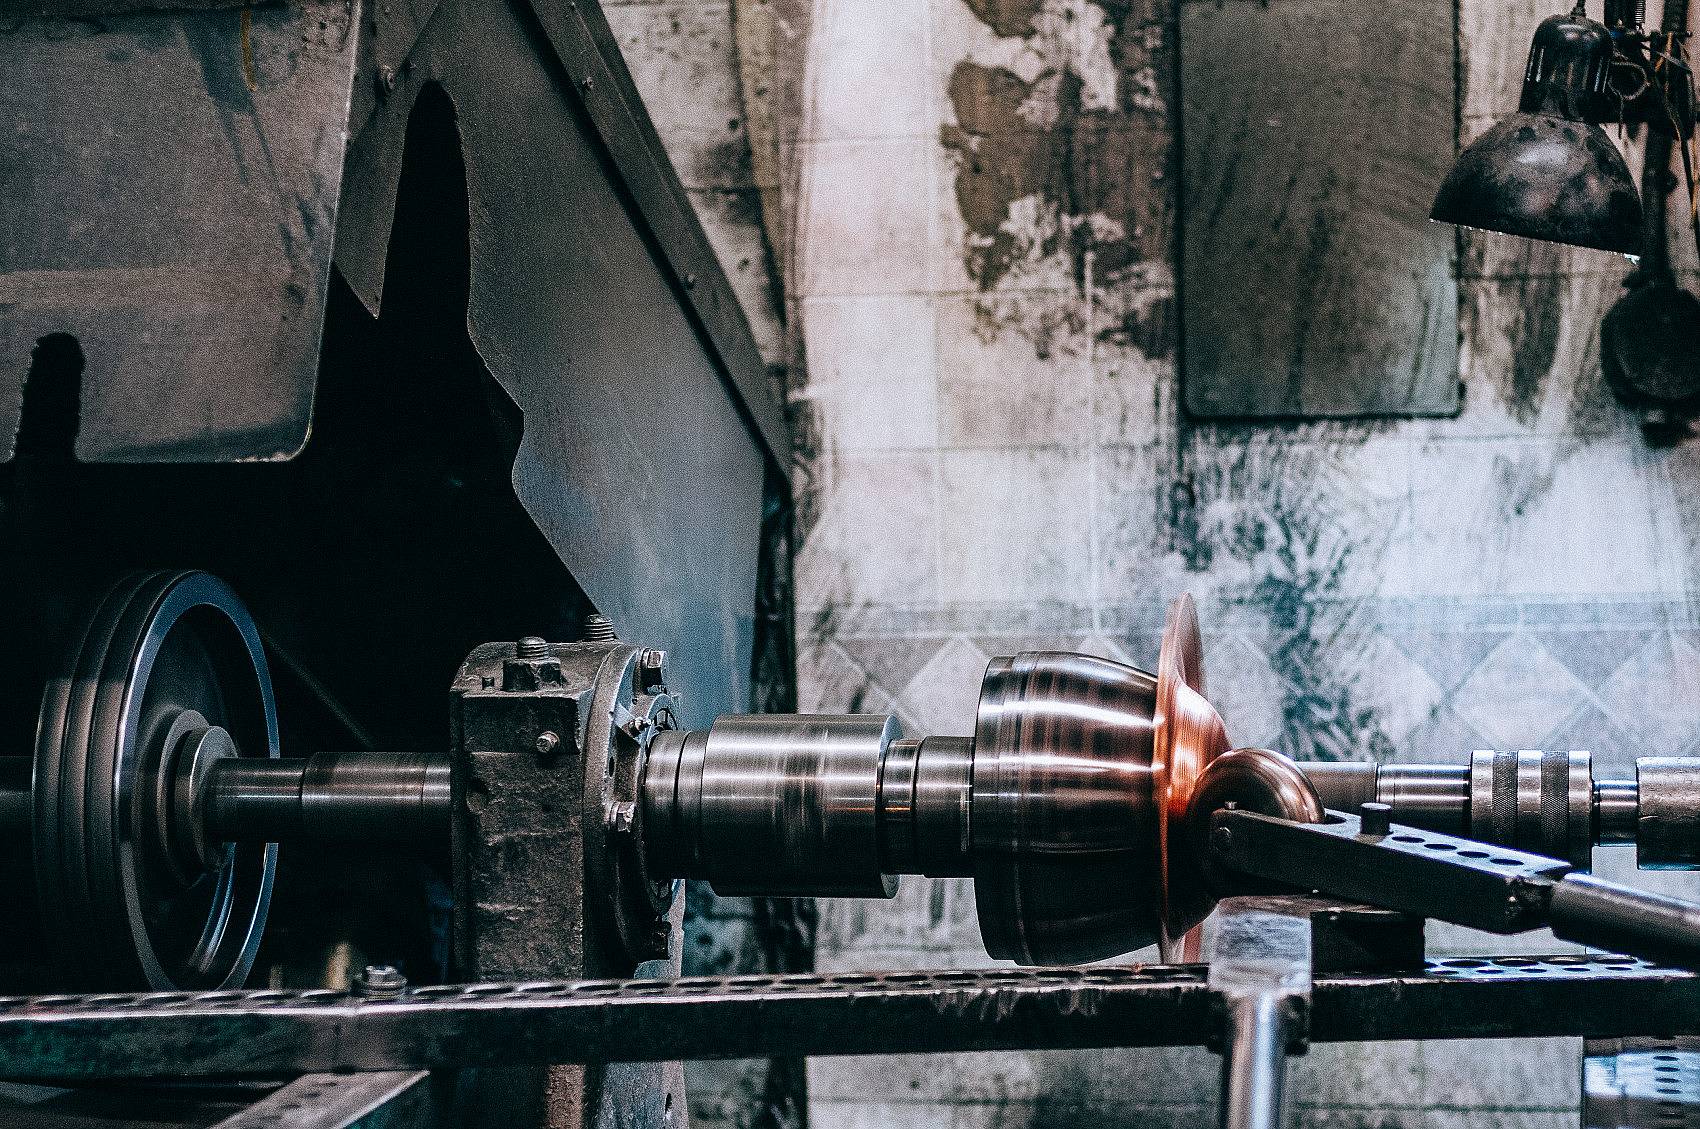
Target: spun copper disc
(1189, 735)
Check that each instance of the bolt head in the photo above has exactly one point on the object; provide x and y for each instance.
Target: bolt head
(547, 742)
(380, 980)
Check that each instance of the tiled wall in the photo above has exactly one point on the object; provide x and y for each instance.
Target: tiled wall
(994, 459)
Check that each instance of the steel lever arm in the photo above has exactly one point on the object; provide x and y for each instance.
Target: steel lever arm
(1458, 880)
(1604, 915)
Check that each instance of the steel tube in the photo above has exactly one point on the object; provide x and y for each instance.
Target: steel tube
(1432, 796)
(1254, 1062)
(1667, 824)
(1620, 919)
(926, 796)
(779, 805)
(394, 800)
(254, 799)
(1343, 785)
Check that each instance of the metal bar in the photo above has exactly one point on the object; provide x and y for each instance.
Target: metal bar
(1591, 912)
(1407, 869)
(1254, 1062)
(248, 1034)
(378, 1100)
(1260, 966)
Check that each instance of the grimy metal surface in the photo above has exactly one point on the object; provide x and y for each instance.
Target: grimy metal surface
(637, 460)
(171, 183)
(187, 247)
(377, 1100)
(233, 1034)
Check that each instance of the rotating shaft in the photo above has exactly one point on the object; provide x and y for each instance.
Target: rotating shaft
(367, 799)
(1548, 803)
(799, 805)
(398, 800)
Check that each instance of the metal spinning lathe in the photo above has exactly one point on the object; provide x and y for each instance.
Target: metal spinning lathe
(1097, 807)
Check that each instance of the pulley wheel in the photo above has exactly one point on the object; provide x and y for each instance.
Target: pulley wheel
(166, 659)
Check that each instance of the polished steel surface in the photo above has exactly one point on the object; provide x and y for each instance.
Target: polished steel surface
(785, 804)
(1668, 814)
(1534, 801)
(670, 802)
(1514, 799)
(1254, 1064)
(1065, 818)
(332, 799)
(1189, 735)
(1433, 796)
(1617, 811)
(926, 806)
(1344, 785)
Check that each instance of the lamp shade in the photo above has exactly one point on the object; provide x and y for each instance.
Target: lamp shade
(1545, 177)
(1547, 171)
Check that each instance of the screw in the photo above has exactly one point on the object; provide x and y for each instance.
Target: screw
(532, 647)
(587, 82)
(380, 982)
(599, 629)
(386, 80)
(690, 281)
(1375, 819)
(547, 742)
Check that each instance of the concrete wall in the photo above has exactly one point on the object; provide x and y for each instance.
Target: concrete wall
(993, 459)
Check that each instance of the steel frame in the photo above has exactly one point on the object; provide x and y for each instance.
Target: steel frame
(285, 1033)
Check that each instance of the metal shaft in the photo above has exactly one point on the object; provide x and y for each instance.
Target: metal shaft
(1548, 803)
(1254, 1062)
(17, 804)
(1619, 919)
(346, 799)
(806, 805)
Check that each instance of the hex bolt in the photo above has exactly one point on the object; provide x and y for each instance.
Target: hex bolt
(1375, 819)
(532, 647)
(380, 982)
(386, 80)
(547, 742)
(599, 629)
